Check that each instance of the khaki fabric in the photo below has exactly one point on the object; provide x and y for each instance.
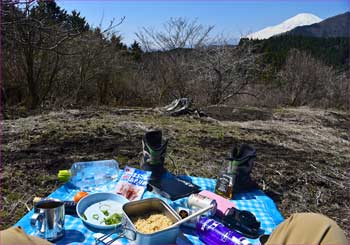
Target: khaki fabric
(16, 236)
(308, 228)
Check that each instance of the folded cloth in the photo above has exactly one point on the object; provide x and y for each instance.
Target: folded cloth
(16, 235)
(308, 228)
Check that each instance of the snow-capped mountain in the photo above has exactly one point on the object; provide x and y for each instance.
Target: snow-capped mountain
(335, 26)
(302, 19)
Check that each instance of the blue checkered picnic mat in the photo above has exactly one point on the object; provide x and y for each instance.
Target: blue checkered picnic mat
(77, 233)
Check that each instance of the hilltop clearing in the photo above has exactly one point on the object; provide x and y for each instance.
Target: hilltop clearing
(303, 154)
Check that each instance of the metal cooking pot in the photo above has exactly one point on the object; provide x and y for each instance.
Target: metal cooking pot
(138, 208)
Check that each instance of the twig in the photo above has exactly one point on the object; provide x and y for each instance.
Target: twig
(327, 179)
(318, 195)
(279, 172)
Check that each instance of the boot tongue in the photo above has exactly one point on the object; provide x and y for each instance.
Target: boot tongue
(234, 153)
(233, 166)
(154, 139)
(233, 161)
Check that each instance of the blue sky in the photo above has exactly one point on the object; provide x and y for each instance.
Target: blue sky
(230, 17)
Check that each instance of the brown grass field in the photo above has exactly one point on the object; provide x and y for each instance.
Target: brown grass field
(303, 156)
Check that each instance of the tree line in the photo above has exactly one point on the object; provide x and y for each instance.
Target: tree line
(52, 58)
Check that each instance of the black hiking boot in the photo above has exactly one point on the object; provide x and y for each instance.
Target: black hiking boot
(241, 164)
(154, 150)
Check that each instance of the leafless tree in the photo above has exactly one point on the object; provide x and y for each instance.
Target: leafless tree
(177, 33)
(58, 58)
(94, 65)
(306, 80)
(34, 44)
(225, 71)
(168, 55)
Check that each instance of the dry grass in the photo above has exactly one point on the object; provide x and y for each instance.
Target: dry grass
(303, 154)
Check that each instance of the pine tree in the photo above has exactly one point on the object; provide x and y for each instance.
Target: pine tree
(135, 50)
(117, 42)
(76, 22)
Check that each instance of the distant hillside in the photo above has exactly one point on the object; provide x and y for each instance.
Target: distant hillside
(331, 51)
(336, 26)
(327, 41)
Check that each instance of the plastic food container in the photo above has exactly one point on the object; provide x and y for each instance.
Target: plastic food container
(91, 176)
(137, 208)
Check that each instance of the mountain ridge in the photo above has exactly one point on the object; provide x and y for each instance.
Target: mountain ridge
(301, 19)
(335, 26)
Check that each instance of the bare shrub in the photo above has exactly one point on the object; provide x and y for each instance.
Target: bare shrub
(225, 71)
(95, 70)
(305, 80)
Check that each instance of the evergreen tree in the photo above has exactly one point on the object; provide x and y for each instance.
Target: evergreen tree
(76, 22)
(117, 42)
(332, 51)
(48, 11)
(135, 50)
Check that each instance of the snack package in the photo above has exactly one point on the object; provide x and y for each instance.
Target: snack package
(133, 183)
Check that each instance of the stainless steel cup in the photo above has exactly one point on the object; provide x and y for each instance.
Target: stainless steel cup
(48, 219)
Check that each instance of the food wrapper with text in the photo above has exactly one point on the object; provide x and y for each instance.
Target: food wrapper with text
(133, 183)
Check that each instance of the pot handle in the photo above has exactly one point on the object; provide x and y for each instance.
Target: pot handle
(121, 233)
(35, 217)
(129, 234)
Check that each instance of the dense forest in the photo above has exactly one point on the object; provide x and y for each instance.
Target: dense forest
(332, 51)
(55, 59)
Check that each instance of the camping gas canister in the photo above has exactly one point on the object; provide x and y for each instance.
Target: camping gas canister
(184, 213)
(197, 201)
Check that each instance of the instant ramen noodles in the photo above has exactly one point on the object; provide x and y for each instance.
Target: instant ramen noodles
(151, 222)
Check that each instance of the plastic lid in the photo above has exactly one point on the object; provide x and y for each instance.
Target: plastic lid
(63, 175)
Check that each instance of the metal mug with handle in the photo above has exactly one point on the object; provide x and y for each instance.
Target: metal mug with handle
(48, 219)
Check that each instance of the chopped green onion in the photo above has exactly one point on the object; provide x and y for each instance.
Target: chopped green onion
(105, 212)
(113, 219)
(95, 216)
(84, 217)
